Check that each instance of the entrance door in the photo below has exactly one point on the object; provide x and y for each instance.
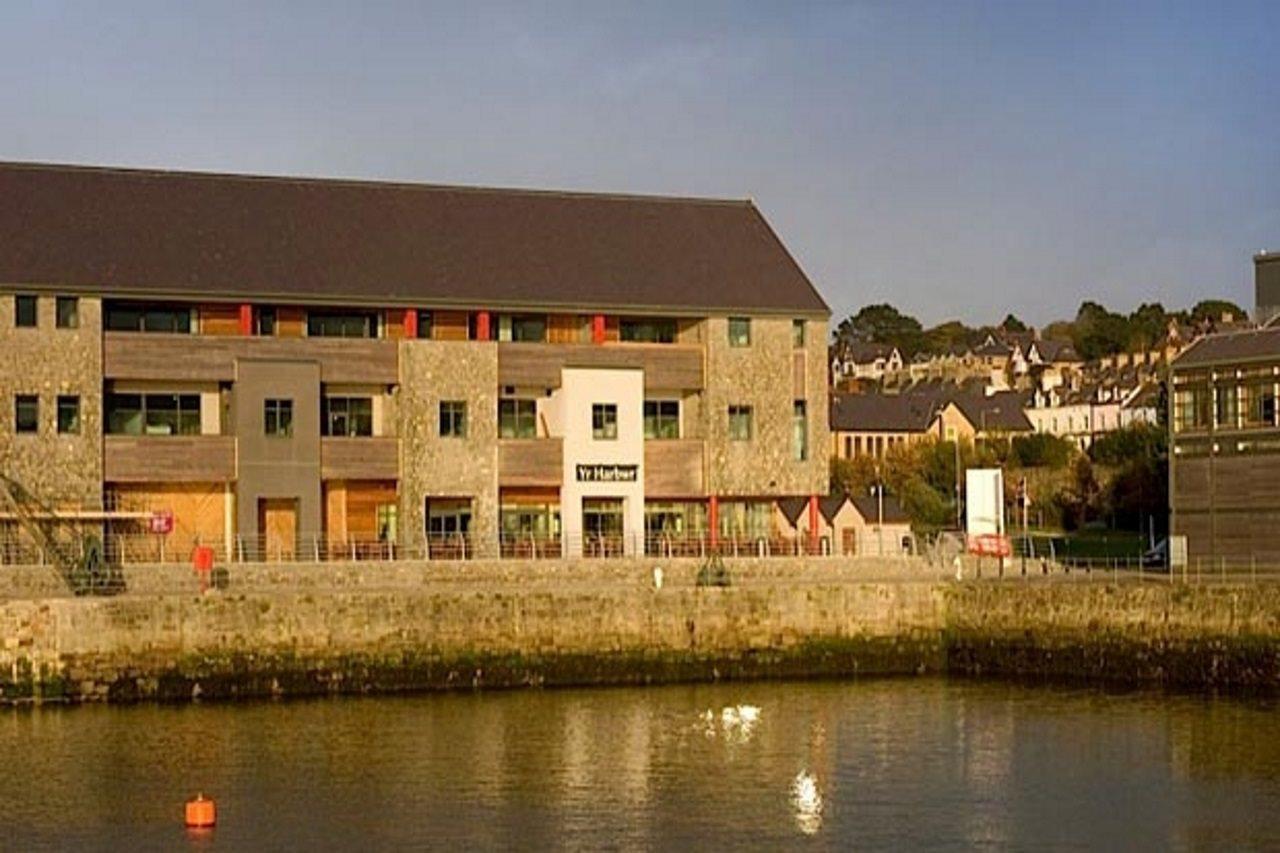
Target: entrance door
(278, 527)
(850, 537)
(602, 527)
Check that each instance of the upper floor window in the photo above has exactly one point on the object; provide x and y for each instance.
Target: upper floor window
(661, 418)
(68, 414)
(346, 416)
(739, 331)
(25, 311)
(604, 421)
(647, 330)
(1190, 408)
(517, 418)
(153, 414)
(453, 419)
(26, 413)
(740, 426)
(529, 328)
(1227, 407)
(67, 312)
(1259, 405)
(277, 418)
(797, 334)
(141, 317)
(342, 324)
(264, 321)
(424, 325)
(800, 431)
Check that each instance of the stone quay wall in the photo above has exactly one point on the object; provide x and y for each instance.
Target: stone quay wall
(307, 630)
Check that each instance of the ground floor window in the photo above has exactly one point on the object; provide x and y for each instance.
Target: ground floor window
(676, 519)
(745, 519)
(448, 517)
(540, 521)
(602, 517)
(388, 523)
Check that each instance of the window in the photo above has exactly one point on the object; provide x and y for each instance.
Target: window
(604, 421)
(68, 414)
(1190, 408)
(26, 413)
(528, 328)
(1260, 408)
(848, 447)
(1227, 407)
(647, 330)
(424, 325)
(264, 322)
(797, 334)
(387, 517)
(740, 423)
(153, 414)
(453, 419)
(142, 317)
(661, 418)
(277, 418)
(346, 417)
(67, 312)
(739, 331)
(25, 312)
(342, 324)
(517, 418)
(799, 432)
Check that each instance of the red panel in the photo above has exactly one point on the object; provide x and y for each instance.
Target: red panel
(410, 323)
(246, 319)
(813, 522)
(597, 329)
(713, 520)
(482, 326)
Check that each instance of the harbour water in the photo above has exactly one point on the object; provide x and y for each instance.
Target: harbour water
(887, 764)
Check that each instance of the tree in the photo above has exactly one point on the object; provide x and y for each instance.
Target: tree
(1013, 324)
(1098, 332)
(1041, 450)
(1214, 310)
(1148, 326)
(1137, 441)
(883, 324)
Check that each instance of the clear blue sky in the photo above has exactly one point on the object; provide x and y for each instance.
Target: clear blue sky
(958, 159)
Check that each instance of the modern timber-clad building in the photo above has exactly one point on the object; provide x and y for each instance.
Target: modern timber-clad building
(279, 365)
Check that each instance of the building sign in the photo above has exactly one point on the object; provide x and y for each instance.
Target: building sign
(990, 545)
(608, 473)
(161, 522)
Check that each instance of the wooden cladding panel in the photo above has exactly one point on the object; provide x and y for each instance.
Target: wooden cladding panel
(666, 366)
(674, 468)
(360, 458)
(291, 322)
(530, 462)
(351, 508)
(394, 323)
(568, 329)
(449, 325)
(199, 509)
(201, 358)
(219, 319)
(168, 459)
(612, 329)
(799, 373)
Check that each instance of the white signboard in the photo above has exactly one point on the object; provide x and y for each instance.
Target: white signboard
(984, 501)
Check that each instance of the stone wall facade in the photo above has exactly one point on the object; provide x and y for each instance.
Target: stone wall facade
(431, 466)
(762, 375)
(61, 469)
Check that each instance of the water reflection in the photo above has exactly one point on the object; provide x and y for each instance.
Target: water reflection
(890, 764)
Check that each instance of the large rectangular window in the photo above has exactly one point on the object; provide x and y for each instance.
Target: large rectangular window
(647, 330)
(68, 414)
(144, 317)
(342, 324)
(153, 414)
(739, 331)
(453, 419)
(1227, 408)
(799, 431)
(661, 418)
(26, 413)
(1259, 404)
(517, 418)
(25, 311)
(346, 417)
(1190, 409)
(424, 325)
(277, 418)
(740, 426)
(67, 310)
(797, 334)
(604, 421)
(526, 328)
(264, 321)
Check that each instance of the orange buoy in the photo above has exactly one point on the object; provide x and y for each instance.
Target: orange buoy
(201, 813)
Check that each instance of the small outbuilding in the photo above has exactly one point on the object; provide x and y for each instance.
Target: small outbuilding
(849, 526)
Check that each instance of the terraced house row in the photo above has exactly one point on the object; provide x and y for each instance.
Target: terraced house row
(286, 366)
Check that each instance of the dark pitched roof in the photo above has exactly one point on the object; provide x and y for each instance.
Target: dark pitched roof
(1001, 411)
(184, 235)
(1051, 350)
(1231, 346)
(883, 412)
(830, 506)
(868, 509)
(793, 508)
(863, 352)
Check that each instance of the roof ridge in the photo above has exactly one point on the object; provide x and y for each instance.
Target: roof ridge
(373, 183)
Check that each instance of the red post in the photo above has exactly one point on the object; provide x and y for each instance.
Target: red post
(410, 322)
(813, 524)
(597, 333)
(246, 319)
(482, 325)
(713, 520)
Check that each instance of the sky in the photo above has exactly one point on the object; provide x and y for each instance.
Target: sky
(957, 159)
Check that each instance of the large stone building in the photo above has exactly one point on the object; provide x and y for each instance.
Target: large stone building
(288, 366)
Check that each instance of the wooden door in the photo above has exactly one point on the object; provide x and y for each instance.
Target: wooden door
(278, 527)
(850, 541)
